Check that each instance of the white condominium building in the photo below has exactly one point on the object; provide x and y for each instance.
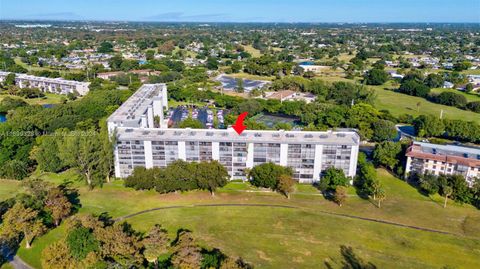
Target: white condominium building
(443, 159)
(51, 85)
(142, 139)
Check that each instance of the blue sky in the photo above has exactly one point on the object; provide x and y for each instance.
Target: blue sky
(246, 10)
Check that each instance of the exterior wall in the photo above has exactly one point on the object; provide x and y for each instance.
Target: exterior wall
(437, 168)
(51, 85)
(307, 160)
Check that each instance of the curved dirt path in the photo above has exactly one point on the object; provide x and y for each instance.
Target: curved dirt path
(291, 207)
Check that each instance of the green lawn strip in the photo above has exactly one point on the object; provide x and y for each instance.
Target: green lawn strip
(8, 188)
(289, 238)
(398, 104)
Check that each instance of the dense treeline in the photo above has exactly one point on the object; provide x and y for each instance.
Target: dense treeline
(40, 208)
(416, 84)
(100, 242)
(454, 187)
(431, 126)
(179, 176)
(71, 125)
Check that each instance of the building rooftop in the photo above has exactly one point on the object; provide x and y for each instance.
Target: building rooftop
(130, 113)
(446, 153)
(229, 135)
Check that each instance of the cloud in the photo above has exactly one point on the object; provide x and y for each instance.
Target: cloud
(180, 16)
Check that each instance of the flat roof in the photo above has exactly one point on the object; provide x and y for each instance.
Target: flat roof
(129, 114)
(44, 79)
(451, 150)
(248, 136)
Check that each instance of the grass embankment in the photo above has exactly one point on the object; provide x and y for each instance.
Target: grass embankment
(301, 237)
(398, 104)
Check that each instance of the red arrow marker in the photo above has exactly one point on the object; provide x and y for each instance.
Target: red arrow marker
(238, 126)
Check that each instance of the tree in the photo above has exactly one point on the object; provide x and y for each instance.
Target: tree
(46, 154)
(434, 80)
(236, 66)
(105, 47)
(58, 205)
(386, 153)
(22, 220)
(239, 87)
(14, 169)
(285, 185)
(340, 195)
(156, 243)
(428, 125)
(451, 99)
(384, 130)
(380, 195)
(190, 123)
(9, 79)
(333, 177)
(81, 242)
(120, 244)
(81, 152)
(468, 87)
(187, 253)
(447, 191)
(376, 76)
(367, 175)
(211, 175)
(57, 256)
(212, 63)
(267, 174)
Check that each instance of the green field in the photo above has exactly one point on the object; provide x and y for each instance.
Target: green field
(305, 236)
(49, 98)
(398, 104)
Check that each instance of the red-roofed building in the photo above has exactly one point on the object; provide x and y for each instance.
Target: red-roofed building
(443, 159)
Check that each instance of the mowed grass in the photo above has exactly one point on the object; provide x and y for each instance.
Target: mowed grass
(253, 51)
(305, 236)
(8, 188)
(49, 98)
(398, 104)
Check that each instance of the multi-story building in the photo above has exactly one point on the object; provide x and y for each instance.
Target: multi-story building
(443, 159)
(52, 85)
(143, 139)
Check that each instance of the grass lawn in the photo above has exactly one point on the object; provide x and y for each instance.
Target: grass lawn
(398, 103)
(38, 68)
(49, 98)
(251, 77)
(253, 51)
(302, 237)
(8, 188)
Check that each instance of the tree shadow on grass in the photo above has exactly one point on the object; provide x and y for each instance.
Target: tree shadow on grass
(350, 260)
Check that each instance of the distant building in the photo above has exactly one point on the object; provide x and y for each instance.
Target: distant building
(443, 159)
(288, 95)
(448, 85)
(313, 68)
(52, 85)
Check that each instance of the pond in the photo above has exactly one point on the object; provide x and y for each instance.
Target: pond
(3, 117)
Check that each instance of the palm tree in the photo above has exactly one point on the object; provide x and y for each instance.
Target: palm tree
(447, 191)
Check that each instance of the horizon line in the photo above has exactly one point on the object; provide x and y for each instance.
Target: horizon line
(238, 22)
